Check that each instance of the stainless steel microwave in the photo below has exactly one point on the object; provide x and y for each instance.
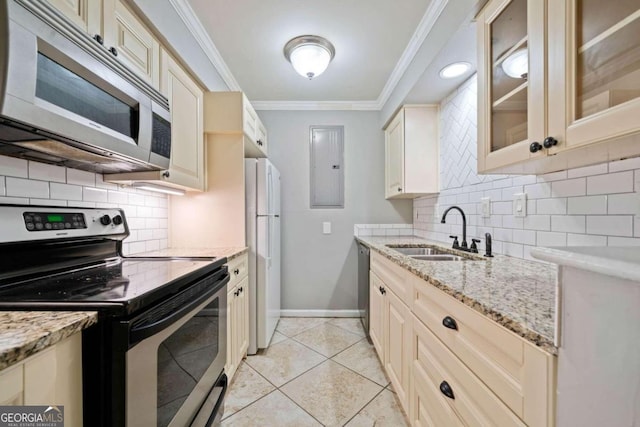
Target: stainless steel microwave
(67, 100)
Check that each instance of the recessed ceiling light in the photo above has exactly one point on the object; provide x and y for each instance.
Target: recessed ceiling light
(454, 70)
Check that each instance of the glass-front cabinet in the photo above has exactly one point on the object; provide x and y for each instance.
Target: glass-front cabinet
(594, 63)
(555, 76)
(511, 81)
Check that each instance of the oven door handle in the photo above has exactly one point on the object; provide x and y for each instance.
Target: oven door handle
(170, 311)
(207, 416)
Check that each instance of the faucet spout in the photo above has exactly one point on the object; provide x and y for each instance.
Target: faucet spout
(464, 223)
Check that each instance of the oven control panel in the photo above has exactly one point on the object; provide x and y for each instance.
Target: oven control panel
(28, 223)
(43, 221)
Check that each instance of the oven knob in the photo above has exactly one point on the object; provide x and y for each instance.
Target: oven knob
(117, 220)
(105, 220)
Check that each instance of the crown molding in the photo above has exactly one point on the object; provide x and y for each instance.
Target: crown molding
(317, 105)
(422, 31)
(194, 25)
(425, 26)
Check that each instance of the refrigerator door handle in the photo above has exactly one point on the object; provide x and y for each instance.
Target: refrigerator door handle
(269, 240)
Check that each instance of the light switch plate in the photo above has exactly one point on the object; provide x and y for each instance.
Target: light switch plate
(485, 207)
(520, 205)
(326, 228)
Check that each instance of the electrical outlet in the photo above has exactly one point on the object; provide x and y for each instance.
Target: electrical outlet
(485, 207)
(520, 205)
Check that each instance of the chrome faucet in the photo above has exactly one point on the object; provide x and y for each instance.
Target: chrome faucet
(463, 245)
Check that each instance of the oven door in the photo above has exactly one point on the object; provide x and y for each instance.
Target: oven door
(175, 363)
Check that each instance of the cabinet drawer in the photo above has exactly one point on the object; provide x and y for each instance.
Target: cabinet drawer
(434, 367)
(515, 370)
(394, 276)
(238, 269)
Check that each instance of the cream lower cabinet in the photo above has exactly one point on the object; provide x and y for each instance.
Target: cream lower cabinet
(51, 377)
(471, 372)
(237, 314)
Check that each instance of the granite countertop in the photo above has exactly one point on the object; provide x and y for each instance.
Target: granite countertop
(228, 252)
(518, 294)
(24, 333)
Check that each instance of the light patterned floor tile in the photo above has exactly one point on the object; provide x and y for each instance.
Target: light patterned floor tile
(327, 339)
(292, 326)
(362, 358)
(247, 387)
(353, 325)
(331, 393)
(383, 411)
(273, 410)
(277, 337)
(284, 361)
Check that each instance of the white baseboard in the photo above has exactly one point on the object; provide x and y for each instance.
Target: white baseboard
(320, 313)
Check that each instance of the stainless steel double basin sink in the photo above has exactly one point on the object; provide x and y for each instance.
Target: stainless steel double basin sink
(426, 253)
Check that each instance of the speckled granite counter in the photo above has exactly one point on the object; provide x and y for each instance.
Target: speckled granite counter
(24, 333)
(516, 293)
(230, 252)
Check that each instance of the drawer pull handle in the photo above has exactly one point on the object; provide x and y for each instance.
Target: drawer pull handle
(240, 290)
(446, 389)
(450, 322)
(382, 290)
(236, 271)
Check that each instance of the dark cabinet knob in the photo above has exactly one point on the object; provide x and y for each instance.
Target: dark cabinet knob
(236, 293)
(98, 38)
(236, 271)
(399, 189)
(549, 142)
(240, 290)
(450, 322)
(446, 389)
(535, 147)
(166, 174)
(259, 142)
(113, 50)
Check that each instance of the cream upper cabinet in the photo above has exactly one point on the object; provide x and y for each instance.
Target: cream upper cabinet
(411, 153)
(555, 77)
(231, 113)
(136, 46)
(86, 14)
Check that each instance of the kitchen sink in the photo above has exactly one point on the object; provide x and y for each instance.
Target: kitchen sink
(417, 251)
(439, 257)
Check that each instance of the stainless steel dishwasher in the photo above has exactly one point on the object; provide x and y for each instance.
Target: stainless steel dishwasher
(363, 286)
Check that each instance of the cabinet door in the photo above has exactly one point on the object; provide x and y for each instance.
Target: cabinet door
(261, 136)
(394, 156)
(249, 119)
(12, 385)
(232, 349)
(397, 332)
(376, 314)
(187, 137)
(242, 318)
(594, 70)
(86, 14)
(136, 46)
(511, 82)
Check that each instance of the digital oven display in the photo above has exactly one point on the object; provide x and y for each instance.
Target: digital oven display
(42, 221)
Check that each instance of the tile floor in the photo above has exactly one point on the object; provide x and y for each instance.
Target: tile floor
(317, 371)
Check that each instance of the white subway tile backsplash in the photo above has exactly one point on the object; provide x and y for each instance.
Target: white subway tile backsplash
(526, 237)
(569, 188)
(554, 176)
(588, 205)
(538, 222)
(538, 191)
(622, 241)
(624, 204)
(14, 201)
(65, 191)
(80, 204)
(45, 172)
(513, 249)
(624, 165)
(588, 171)
(568, 223)
(11, 166)
(19, 187)
(117, 197)
(556, 206)
(78, 177)
(47, 202)
(585, 240)
(90, 194)
(546, 239)
(620, 182)
(613, 225)
(2, 186)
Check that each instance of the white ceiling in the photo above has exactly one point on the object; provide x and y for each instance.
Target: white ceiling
(375, 41)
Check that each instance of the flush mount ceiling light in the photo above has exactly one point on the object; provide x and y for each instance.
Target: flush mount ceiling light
(454, 70)
(516, 65)
(309, 55)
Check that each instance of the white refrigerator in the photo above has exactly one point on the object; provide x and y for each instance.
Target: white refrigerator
(263, 239)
